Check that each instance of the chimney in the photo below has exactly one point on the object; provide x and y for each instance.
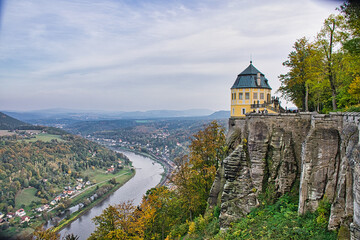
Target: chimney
(258, 79)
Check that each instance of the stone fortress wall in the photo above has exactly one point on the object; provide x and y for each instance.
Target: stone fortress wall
(275, 152)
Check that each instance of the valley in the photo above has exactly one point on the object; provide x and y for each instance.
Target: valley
(45, 171)
(65, 175)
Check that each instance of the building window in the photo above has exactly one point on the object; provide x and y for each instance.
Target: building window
(247, 95)
(261, 96)
(268, 98)
(233, 111)
(233, 96)
(255, 95)
(241, 96)
(243, 111)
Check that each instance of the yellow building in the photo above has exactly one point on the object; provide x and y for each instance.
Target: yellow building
(251, 92)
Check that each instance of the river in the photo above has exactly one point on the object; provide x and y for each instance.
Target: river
(148, 175)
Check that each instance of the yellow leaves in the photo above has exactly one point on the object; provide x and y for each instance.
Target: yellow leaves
(354, 88)
(122, 221)
(46, 234)
(195, 173)
(207, 147)
(192, 228)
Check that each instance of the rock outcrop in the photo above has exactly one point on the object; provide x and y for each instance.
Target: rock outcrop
(317, 155)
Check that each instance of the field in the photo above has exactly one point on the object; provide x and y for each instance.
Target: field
(99, 175)
(6, 133)
(25, 197)
(44, 137)
(101, 179)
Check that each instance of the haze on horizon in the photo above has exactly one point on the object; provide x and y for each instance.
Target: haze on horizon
(142, 55)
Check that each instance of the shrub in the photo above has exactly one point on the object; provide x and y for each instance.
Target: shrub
(281, 221)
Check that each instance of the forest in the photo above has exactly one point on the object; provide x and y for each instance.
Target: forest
(37, 165)
(324, 72)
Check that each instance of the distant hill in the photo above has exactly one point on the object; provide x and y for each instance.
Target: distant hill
(219, 115)
(10, 123)
(71, 116)
(165, 114)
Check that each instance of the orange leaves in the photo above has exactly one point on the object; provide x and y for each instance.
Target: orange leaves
(45, 234)
(195, 174)
(122, 221)
(208, 146)
(126, 221)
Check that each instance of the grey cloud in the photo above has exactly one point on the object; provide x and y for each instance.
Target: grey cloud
(172, 54)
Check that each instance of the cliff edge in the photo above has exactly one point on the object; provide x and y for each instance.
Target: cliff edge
(314, 155)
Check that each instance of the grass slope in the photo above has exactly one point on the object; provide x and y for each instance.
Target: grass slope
(26, 196)
(45, 137)
(270, 221)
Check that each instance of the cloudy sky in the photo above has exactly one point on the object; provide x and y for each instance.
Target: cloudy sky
(127, 55)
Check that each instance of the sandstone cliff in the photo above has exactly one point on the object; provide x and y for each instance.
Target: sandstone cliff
(316, 155)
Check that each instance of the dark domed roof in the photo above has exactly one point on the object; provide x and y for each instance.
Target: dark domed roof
(247, 79)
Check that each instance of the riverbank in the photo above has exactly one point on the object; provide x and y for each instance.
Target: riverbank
(167, 167)
(72, 217)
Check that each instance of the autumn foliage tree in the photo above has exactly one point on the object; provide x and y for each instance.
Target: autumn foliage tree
(304, 64)
(195, 173)
(121, 221)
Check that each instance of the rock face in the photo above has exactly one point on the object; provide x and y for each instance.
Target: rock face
(272, 154)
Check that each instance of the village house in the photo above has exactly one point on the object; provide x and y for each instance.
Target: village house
(10, 215)
(46, 207)
(1, 215)
(39, 209)
(70, 192)
(25, 219)
(21, 212)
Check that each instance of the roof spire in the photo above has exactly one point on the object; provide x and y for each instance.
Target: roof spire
(250, 58)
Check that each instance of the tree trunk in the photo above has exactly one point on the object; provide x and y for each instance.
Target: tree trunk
(333, 90)
(330, 64)
(334, 101)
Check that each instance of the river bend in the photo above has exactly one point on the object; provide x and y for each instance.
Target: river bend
(148, 175)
